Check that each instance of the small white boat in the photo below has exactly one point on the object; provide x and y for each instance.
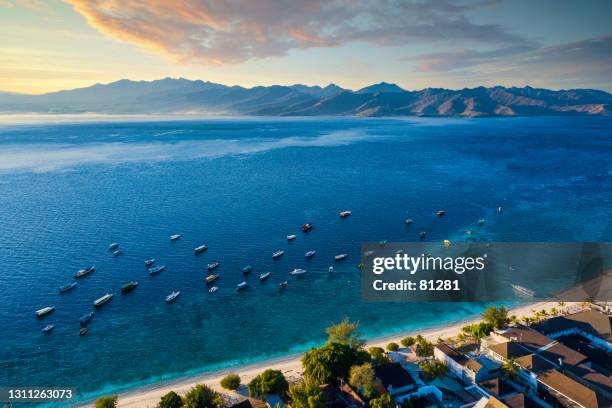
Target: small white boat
(48, 328)
(264, 276)
(212, 265)
(297, 271)
(67, 287)
(408, 221)
(330, 269)
(277, 254)
(247, 269)
(157, 269)
(309, 254)
(291, 237)
(242, 285)
(481, 222)
(500, 210)
(211, 278)
(102, 300)
(340, 257)
(367, 254)
(200, 249)
(283, 284)
(172, 296)
(117, 253)
(399, 252)
(213, 289)
(344, 214)
(84, 272)
(175, 237)
(83, 331)
(45, 311)
(113, 246)
(149, 262)
(522, 291)
(422, 235)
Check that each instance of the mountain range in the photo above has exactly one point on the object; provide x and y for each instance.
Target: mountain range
(169, 95)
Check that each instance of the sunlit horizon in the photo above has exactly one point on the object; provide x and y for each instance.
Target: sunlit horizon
(62, 45)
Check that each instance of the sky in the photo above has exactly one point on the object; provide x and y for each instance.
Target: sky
(50, 45)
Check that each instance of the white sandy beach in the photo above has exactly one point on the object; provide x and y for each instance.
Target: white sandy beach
(149, 396)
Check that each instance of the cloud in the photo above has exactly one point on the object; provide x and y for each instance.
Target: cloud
(584, 63)
(233, 31)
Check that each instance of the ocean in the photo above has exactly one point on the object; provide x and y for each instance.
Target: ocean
(67, 190)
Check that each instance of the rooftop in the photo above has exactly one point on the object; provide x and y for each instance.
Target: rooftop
(458, 357)
(510, 349)
(392, 374)
(526, 337)
(520, 401)
(589, 321)
(573, 390)
(558, 351)
(250, 403)
(593, 377)
(497, 387)
(534, 363)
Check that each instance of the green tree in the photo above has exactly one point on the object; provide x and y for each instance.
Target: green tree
(332, 361)
(408, 341)
(384, 401)
(433, 369)
(497, 317)
(269, 381)
(510, 368)
(345, 332)
(202, 396)
(424, 347)
(305, 394)
(231, 381)
(378, 355)
(392, 346)
(171, 400)
(109, 401)
(478, 331)
(363, 378)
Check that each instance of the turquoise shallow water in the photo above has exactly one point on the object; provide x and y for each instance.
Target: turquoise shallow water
(240, 186)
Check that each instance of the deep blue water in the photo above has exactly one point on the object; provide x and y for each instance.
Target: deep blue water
(240, 186)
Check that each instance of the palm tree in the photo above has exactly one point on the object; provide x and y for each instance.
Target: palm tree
(510, 368)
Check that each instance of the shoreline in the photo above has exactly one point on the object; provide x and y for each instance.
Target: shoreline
(148, 396)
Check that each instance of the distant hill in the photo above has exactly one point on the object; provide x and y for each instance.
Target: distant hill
(181, 95)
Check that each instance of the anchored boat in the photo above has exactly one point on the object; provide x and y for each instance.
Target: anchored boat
(45, 311)
(102, 300)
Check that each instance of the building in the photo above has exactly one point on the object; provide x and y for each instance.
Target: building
(460, 365)
(394, 378)
(560, 389)
(497, 387)
(594, 325)
(520, 400)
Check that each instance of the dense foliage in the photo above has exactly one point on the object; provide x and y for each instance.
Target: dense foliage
(497, 317)
(345, 332)
(384, 401)
(363, 378)
(171, 400)
(433, 369)
(424, 347)
(202, 396)
(230, 381)
(378, 355)
(106, 402)
(478, 331)
(305, 394)
(408, 341)
(269, 381)
(392, 346)
(332, 362)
